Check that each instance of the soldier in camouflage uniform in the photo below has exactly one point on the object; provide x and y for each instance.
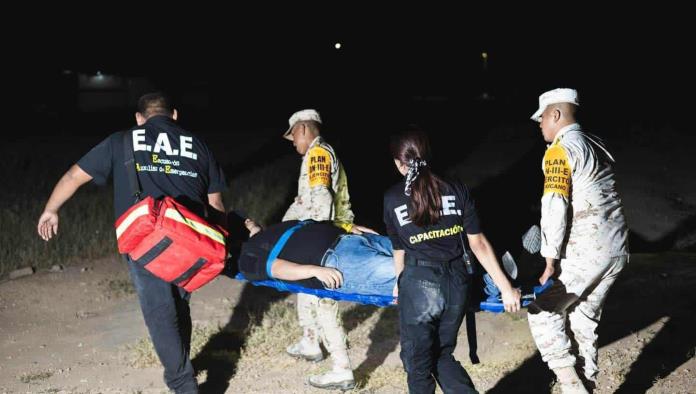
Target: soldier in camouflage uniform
(322, 194)
(584, 240)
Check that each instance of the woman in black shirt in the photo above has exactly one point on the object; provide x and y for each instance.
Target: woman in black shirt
(425, 217)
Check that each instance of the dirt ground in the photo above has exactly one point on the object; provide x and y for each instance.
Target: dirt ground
(80, 330)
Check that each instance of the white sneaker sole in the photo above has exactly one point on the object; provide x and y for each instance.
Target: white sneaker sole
(308, 357)
(343, 386)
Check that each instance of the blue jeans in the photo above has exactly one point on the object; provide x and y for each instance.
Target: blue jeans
(490, 289)
(167, 316)
(366, 262)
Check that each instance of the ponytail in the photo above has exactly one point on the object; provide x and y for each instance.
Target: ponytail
(421, 184)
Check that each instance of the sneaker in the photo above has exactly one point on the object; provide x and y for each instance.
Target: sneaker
(332, 380)
(309, 353)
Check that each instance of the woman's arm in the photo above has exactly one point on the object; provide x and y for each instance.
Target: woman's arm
(486, 256)
(398, 268)
(287, 270)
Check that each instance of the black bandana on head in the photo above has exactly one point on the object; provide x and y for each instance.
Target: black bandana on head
(414, 166)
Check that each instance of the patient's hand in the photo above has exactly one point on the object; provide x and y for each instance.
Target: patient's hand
(252, 227)
(357, 229)
(330, 277)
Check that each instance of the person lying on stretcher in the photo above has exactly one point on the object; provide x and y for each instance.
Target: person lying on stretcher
(319, 255)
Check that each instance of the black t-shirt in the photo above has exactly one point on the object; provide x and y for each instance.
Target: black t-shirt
(439, 242)
(170, 162)
(307, 245)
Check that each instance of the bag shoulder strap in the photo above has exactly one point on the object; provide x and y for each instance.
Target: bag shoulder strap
(465, 253)
(470, 316)
(280, 244)
(129, 162)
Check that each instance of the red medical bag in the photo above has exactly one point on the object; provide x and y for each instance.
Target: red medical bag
(172, 242)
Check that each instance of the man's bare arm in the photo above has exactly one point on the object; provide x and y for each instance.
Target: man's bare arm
(65, 188)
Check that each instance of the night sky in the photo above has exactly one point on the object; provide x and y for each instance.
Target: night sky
(237, 71)
(257, 68)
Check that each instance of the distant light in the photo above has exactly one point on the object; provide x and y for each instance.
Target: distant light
(67, 72)
(337, 45)
(484, 55)
(100, 80)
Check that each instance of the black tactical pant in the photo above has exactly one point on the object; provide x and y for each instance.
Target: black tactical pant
(432, 302)
(167, 315)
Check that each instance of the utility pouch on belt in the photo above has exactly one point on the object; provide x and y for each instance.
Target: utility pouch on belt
(166, 238)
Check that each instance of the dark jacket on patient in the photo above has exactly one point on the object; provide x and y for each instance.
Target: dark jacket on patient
(307, 245)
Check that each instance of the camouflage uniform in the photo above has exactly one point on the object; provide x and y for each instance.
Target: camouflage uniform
(322, 189)
(583, 225)
(322, 194)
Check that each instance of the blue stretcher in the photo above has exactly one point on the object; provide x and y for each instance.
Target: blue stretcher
(367, 299)
(496, 306)
(377, 300)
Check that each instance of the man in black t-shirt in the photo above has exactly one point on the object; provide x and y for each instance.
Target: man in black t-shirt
(169, 161)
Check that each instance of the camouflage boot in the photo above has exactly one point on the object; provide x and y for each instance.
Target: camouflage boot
(570, 381)
(308, 346)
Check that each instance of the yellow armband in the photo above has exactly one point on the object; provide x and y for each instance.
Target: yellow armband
(557, 171)
(319, 167)
(346, 226)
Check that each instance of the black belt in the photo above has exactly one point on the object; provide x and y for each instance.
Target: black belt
(414, 262)
(424, 263)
